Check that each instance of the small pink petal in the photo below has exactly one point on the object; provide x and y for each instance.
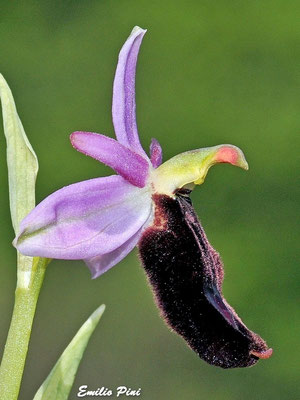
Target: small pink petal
(155, 153)
(133, 167)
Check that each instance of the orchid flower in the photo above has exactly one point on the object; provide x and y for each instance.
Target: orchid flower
(147, 204)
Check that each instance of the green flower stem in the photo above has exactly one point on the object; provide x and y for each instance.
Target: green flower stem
(26, 296)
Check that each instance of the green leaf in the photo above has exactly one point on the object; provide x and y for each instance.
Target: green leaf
(22, 171)
(21, 159)
(60, 380)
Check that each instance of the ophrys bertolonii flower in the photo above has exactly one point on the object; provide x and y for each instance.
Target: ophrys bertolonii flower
(147, 204)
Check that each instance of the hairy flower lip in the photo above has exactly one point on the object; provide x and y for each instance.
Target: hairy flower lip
(186, 275)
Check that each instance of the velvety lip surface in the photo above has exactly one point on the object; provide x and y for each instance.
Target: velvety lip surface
(186, 275)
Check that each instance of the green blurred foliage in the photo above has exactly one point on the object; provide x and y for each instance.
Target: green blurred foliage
(208, 73)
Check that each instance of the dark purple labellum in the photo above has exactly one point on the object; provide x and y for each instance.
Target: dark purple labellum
(186, 275)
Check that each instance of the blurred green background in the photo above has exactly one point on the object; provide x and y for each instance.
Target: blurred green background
(209, 72)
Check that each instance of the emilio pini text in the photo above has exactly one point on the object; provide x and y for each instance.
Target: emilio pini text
(120, 391)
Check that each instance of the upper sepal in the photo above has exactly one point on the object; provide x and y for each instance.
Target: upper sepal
(123, 104)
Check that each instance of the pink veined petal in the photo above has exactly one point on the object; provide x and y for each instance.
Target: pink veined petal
(133, 167)
(155, 153)
(103, 262)
(123, 104)
(83, 220)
